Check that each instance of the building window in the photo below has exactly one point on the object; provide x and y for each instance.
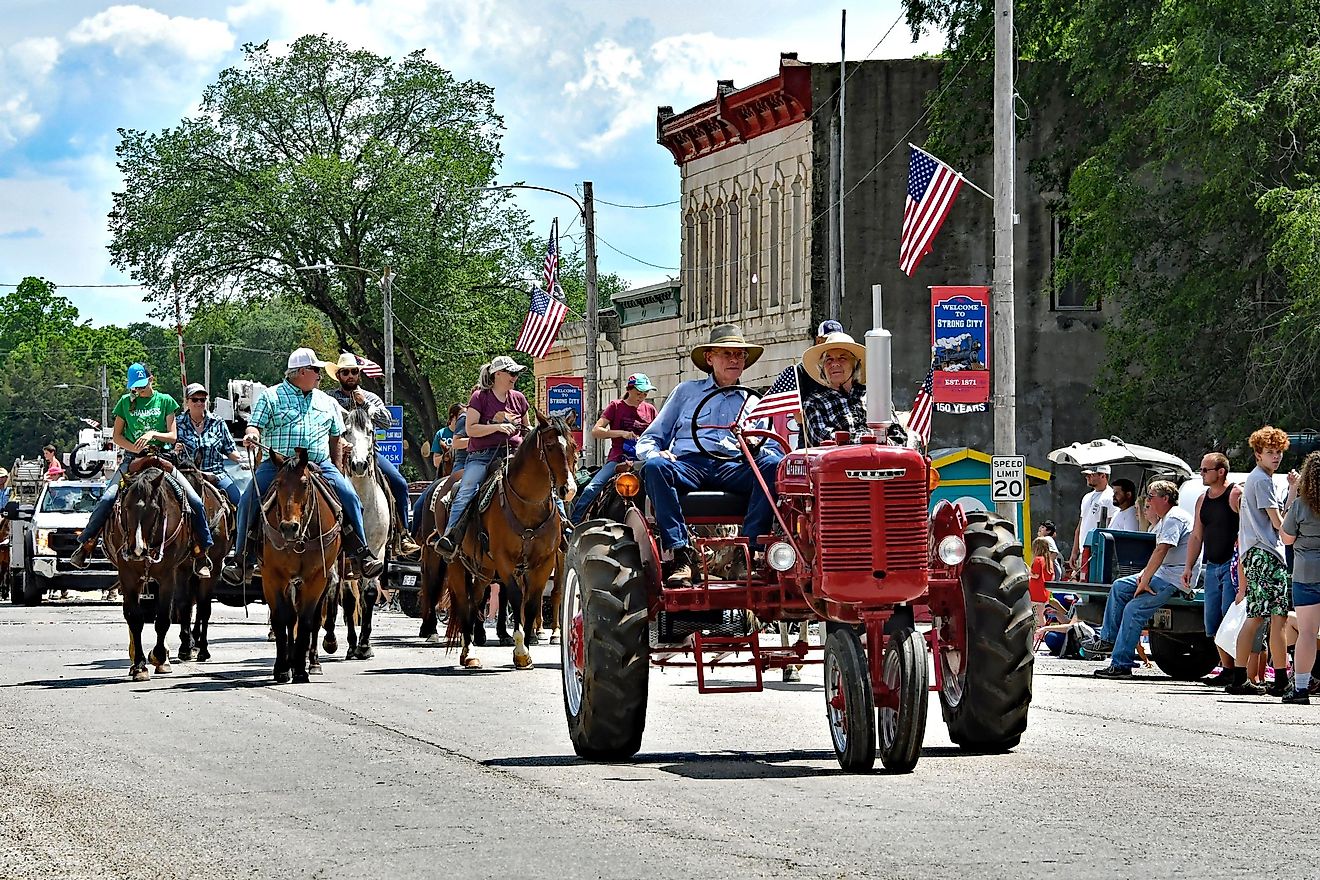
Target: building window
(1070, 296)
(717, 267)
(776, 267)
(754, 262)
(689, 264)
(735, 257)
(798, 239)
(703, 265)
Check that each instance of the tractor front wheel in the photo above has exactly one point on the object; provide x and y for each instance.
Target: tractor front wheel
(849, 701)
(604, 642)
(903, 721)
(986, 662)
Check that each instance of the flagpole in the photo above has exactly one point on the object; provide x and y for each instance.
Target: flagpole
(590, 406)
(1003, 325)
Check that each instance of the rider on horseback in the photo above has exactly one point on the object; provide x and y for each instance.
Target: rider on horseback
(494, 414)
(350, 395)
(145, 424)
(290, 416)
(206, 440)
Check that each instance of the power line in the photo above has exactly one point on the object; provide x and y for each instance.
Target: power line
(81, 286)
(637, 207)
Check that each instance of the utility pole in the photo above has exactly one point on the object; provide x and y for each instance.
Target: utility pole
(105, 399)
(387, 293)
(1003, 324)
(206, 366)
(590, 404)
(836, 306)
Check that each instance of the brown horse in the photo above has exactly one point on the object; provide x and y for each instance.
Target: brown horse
(194, 643)
(301, 538)
(515, 541)
(149, 540)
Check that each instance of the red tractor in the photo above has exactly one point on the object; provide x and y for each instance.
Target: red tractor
(854, 545)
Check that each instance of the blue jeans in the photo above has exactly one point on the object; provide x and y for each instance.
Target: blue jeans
(592, 489)
(474, 471)
(666, 480)
(230, 488)
(265, 475)
(1126, 615)
(398, 488)
(101, 513)
(1219, 594)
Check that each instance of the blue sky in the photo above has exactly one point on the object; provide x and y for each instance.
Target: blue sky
(577, 84)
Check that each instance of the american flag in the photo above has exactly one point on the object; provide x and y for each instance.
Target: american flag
(551, 260)
(932, 187)
(782, 397)
(922, 405)
(542, 324)
(370, 368)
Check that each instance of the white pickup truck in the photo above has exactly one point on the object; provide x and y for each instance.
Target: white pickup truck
(44, 536)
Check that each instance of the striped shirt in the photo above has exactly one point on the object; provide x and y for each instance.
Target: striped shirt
(208, 445)
(290, 420)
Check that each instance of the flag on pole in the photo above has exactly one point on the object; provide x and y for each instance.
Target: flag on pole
(370, 368)
(782, 397)
(932, 187)
(542, 324)
(551, 274)
(922, 405)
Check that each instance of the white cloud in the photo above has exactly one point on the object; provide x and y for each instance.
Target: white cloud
(25, 68)
(131, 29)
(34, 58)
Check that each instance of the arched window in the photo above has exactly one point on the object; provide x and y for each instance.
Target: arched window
(755, 275)
(718, 269)
(799, 238)
(775, 269)
(734, 261)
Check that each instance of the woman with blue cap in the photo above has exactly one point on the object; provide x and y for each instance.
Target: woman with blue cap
(144, 423)
(622, 422)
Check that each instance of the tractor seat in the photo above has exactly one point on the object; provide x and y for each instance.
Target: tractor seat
(727, 506)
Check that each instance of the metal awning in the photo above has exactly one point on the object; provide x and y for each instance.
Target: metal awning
(1114, 451)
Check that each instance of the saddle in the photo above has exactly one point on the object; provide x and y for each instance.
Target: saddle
(146, 460)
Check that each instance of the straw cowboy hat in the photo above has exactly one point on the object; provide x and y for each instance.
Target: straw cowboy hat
(838, 339)
(725, 336)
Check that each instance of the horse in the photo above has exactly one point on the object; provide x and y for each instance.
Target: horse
(432, 598)
(301, 537)
(358, 603)
(515, 540)
(149, 539)
(194, 643)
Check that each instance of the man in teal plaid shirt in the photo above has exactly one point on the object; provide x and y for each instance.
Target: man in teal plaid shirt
(291, 416)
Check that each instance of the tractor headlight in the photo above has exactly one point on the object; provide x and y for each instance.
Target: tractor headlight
(952, 550)
(627, 485)
(781, 556)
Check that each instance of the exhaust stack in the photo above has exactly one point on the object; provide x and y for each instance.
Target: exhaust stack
(879, 370)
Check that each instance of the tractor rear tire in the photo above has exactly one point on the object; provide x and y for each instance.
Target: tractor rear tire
(1183, 658)
(849, 701)
(903, 730)
(604, 642)
(985, 701)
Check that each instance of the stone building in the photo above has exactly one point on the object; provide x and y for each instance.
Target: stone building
(758, 186)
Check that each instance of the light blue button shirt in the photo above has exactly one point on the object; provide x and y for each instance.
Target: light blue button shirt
(672, 428)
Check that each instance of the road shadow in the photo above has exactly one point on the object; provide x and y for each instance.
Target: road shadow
(59, 684)
(444, 671)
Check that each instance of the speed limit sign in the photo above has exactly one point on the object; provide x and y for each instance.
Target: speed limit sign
(1008, 478)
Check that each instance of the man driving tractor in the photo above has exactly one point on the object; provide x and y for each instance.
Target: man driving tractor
(672, 461)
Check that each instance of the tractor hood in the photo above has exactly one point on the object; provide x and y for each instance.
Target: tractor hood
(1114, 451)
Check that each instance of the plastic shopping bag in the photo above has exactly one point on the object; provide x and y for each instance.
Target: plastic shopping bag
(1227, 634)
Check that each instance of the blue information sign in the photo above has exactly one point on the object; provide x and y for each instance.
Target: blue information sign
(390, 440)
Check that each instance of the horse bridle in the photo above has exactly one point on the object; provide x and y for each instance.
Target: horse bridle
(165, 539)
(299, 541)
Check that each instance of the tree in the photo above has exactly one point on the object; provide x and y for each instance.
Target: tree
(328, 155)
(1189, 168)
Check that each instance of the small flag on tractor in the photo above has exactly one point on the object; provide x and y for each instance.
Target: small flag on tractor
(922, 406)
(782, 398)
(932, 187)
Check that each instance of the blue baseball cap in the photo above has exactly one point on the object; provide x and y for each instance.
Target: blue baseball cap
(137, 377)
(828, 327)
(641, 382)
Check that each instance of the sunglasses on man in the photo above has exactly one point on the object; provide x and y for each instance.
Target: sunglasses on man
(353, 371)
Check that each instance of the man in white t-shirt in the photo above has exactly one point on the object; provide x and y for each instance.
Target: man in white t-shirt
(1096, 512)
(1125, 506)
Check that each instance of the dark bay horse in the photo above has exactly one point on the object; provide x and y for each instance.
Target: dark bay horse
(194, 641)
(301, 536)
(515, 541)
(149, 539)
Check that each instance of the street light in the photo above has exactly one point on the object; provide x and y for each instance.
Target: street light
(587, 208)
(387, 290)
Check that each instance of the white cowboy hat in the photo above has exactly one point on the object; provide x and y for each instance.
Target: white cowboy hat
(347, 360)
(811, 360)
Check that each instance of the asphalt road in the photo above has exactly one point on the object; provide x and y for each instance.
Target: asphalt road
(404, 766)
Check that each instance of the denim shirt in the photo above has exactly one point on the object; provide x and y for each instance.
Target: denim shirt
(672, 428)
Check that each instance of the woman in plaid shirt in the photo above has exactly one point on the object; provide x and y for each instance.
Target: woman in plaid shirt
(839, 404)
(206, 441)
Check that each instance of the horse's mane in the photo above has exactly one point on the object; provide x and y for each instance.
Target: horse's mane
(359, 419)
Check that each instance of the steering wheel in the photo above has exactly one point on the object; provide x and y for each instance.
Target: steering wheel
(755, 439)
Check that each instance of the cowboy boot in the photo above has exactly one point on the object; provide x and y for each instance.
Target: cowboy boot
(79, 557)
(201, 562)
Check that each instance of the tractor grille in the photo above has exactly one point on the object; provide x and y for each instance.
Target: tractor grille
(845, 526)
(905, 526)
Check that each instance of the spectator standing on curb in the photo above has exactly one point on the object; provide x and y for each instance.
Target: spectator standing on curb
(444, 438)
(1266, 585)
(1048, 531)
(1125, 506)
(1134, 599)
(1096, 512)
(1215, 529)
(54, 470)
(1301, 529)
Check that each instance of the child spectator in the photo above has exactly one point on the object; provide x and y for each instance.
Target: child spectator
(1042, 570)
(1301, 529)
